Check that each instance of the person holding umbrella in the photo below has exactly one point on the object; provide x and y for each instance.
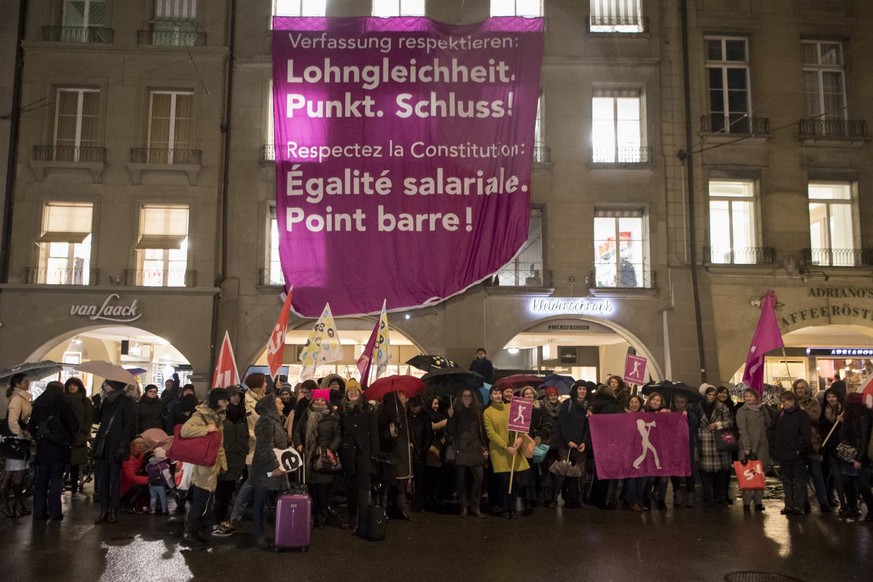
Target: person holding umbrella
(395, 443)
(466, 430)
(503, 452)
(574, 441)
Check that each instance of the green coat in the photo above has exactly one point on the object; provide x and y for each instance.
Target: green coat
(496, 419)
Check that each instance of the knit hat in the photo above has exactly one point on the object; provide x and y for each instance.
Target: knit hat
(351, 384)
(216, 395)
(160, 453)
(704, 387)
(321, 393)
(116, 385)
(551, 390)
(854, 398)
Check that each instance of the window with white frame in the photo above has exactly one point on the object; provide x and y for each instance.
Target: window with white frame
(618, 135)
(727, 79)
(269, 137)
(824, 84)
(386, 8)
(831, 223)
(174, 23)
(732, 226)
(621, 248)
(76, 120)
(526, 269)
(162, 249)
(65, 244)
(299, 7)
(274, 274)
(624, 16)
(171, 121)
(81, 17)
(540, 148)
(524, 8)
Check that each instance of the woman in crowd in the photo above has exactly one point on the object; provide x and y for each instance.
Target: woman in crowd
(184, 407)
(395, 443)
(112, 446)
(753, 420)
(573, 443)
(550, 409)
(833, 408)
(790, 440)
(467, 437)
(504, 453)
(855, 432)
(611, 398)
(540, 431)
(809, 404)
(683, 487)
(318, 433)
(434, 453)
(359, 443)
(267, 476)
(150, 412)
(54, 426)
(18, 413)
(722, 394)
(656, 487)
(236, 447)
(635, 487)
(83, 410)
(134, 479)
(713, 464)
(420, 433)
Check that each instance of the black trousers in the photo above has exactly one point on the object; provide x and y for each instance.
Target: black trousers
(357, 493)
(200, 512)
(109, 484)
(47, 489)
(223, 495)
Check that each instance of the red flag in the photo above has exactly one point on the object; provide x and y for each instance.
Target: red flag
(225, 373)
(276, 345)
(767, 337)
(366, 358)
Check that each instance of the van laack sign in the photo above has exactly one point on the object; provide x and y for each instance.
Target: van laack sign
(403, 156)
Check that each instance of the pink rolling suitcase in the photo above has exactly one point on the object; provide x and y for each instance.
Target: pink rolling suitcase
(293, 516)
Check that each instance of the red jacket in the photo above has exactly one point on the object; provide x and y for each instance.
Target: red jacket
(132, 474)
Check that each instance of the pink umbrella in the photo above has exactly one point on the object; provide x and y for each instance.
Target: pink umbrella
(409, 385)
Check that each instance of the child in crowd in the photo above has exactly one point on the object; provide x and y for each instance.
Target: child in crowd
(160, 479)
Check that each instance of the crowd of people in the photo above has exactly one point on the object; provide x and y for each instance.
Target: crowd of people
(425, 453)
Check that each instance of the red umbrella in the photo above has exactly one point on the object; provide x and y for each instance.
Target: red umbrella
(409, 385)
(519, 381)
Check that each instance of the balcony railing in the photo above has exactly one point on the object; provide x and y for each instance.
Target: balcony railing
(622, 155)
(527, 274)
(68, 276)
(160, 278)
(837, 128)
(542, 154)
(82, 154)
(171, 38)
(630, 276)
(162, 156)
(739, 255)
(741, 125)
(268, 152)
(626, 25)
(95, 34)
(838, 257)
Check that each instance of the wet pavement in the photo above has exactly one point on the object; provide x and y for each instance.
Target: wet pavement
(581, 544)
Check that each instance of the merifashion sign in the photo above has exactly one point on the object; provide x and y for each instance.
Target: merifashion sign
(403, 156)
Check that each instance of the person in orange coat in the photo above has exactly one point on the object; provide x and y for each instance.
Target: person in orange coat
(134, 480)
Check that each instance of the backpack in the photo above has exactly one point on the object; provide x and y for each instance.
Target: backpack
(50, 430)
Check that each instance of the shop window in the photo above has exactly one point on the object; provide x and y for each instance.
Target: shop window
(65, 244)
(76, 121)
(171, 121)
(525, 8)
(386, 8)
(162, 249)
(824, 88)
(831, 226)
(618, 135)
(732, 225)
(526, 269)
(727, 75)
(273, 269)
(621, 249)
(624, 16)
(84, 21)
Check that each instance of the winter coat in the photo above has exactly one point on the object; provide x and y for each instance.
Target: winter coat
(394, 435)
(133, 473)
(251, 399)
(360, 438)
(813, 409)
(483, 367)
(420, 434)
(791, 437)
(573, 424)
(53, 411)
(183, 409)
(857, 434)
(83, 410)
(711, 460)
(752, 426)
(269, 434)
(18, 412)
(548, 430)
(202, 476)
(117, 427)
(335, 396)
(326, 435)
(466, 430)
(150, 414)
(496, 421)
(824, 428)
(236, 445)
(605, 402)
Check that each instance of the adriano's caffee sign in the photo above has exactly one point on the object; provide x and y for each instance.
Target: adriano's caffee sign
(849, 302)
(108, 311)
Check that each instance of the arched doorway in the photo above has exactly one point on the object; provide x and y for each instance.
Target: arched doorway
(150, 358)
(585, 348)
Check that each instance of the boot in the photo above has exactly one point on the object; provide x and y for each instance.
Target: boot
(20, 509)
(401, 505)
(113, 516)
(6, 505)
(104, 515)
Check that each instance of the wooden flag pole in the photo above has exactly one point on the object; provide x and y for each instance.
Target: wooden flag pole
(512, 470)
(785, 361)
(824, 442)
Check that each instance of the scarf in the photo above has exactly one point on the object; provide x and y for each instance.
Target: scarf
(832, 412)
(551, 409)
(315, 417)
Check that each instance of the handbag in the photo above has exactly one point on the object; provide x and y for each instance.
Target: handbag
(201, 451)
(326, 461)
(528, 446)
(750, 475)
(14, 448)
(847, 452)
(725, 440)
(564, 468)
(540, 452)
(449, 455)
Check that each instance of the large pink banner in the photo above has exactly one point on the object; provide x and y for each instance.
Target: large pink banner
(645, 444)
(403, 156)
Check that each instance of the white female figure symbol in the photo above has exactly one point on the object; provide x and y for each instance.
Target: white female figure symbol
(645, 428)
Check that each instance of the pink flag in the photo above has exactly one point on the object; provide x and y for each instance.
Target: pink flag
(366, 358)
(643, 444)
(225, 373)
(767, 337)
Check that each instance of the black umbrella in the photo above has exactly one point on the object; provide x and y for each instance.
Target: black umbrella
(34, 370)
(450, 381)
(669, 389)
(428, 362)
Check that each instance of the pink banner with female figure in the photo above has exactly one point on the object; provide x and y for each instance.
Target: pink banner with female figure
(403, 156)
(646, 444)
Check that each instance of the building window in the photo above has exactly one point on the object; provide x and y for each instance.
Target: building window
(386, 8)
(617, 127)
(621, 248)
(65, 244)
(82, 20)
(171, 124)
(175, 23)
(299, 7)
(274, 274)
(162, 249)
(75, 123)
(526, 269)
(824, 84)
(616, 16)
(732, 227)
(831, 226)
(727, 77)
(541, 150)
(525, 8)
(269, 153)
